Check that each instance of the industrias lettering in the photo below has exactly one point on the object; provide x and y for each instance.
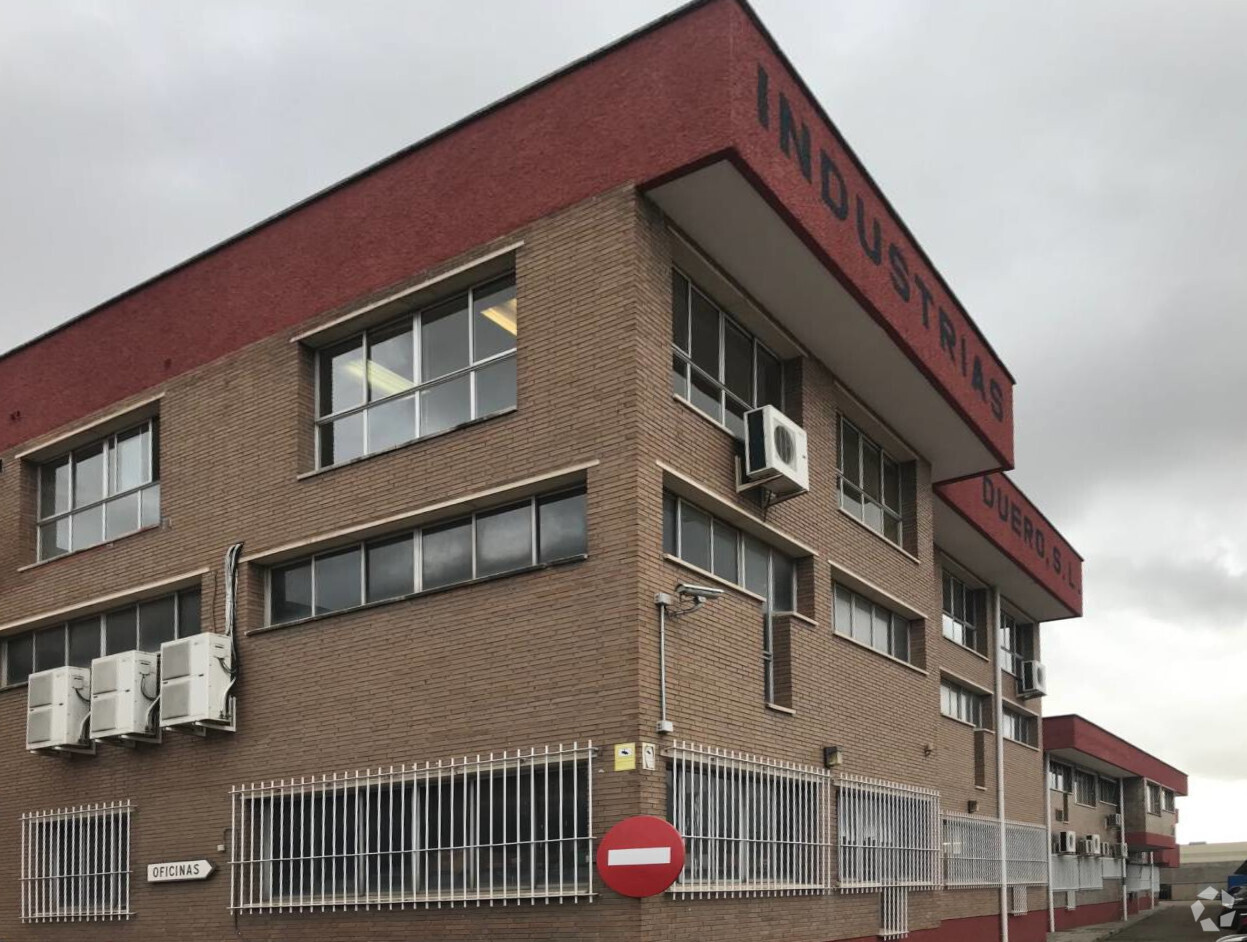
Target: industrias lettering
(821, 170)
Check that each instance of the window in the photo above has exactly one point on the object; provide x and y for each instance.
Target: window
(717, 547)
(859, 618)
(870, 483)
(972, 851)
(536, 531)
(76, 864)
(509, 826)
(1017, 643)
(1108, 791)
(1167, 801)
(961, 704)
(889, 834)
(1021, 727)
(1060, 778)
(1084, 787)
(964, 613)
(717, 365)
(99, 492)
(443, 366)
(141, 625)
(1153, 798)
(750, 825)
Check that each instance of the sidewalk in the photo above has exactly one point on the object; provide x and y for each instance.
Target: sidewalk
(1103, 930)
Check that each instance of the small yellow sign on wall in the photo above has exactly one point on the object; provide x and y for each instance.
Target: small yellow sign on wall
(625, 756)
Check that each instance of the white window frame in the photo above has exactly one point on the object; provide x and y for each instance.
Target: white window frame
(494, 791)
(962, 631)
(75, 864)
(1153, 792)
(961, 703)
(897, 623)
(1081, 776)
(684, 357)
(1016, 724)
(897, 513)
(1168, 800)
(414, 319)
(1012, 629)
(760, 826)
(147, 492)
(1109, 795)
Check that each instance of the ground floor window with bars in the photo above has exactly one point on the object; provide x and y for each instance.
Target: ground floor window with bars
(751, 826)
(889, 834)
(76, 864)
(509, 826)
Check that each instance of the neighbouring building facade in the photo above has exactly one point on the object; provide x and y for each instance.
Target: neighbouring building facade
(1201, 865)
(1114, 814)
(344, 602)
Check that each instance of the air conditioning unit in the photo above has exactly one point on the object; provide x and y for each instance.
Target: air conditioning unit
(776, 455)
(196, 675)
(1034, 680)
(1123, 850)
(1112, 821)
(1067, 842)
(58, 706)
(1059, 814)
(1093, 845)
(123, 696)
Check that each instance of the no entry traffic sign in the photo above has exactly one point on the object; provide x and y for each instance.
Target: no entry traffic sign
(641, 856)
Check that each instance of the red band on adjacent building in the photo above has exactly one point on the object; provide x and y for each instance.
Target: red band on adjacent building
(1074, 732)
(1001, 512)
(707, 83)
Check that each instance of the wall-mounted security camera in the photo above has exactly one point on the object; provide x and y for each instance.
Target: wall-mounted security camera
(698, 592)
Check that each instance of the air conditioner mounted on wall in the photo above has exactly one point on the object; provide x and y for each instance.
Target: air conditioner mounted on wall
(1067, 842)
(1093, 845)
(1113, 820)
(58, 707)
(1034, 680)
(196, 676)
(123, 696)
(776, 453)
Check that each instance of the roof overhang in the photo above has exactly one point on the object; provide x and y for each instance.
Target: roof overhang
(1080, 741)
(988, 525)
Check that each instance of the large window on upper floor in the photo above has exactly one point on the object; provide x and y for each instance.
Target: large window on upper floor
(99, 491)
(1153, 798)
(962, 703)
(716, 365)
(964, 613)
(1085, 787)
(533, 532)
(1017, 642)
(1020, 727)
(443, 366)
(871, 484)
(869, 623)
(142, 626)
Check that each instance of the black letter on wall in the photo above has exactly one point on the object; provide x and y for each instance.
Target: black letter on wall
(788, 133)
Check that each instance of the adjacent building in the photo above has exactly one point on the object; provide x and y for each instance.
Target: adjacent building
(1114, 814)
(1203, 865)
(615, 451)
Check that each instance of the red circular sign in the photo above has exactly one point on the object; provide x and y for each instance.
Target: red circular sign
(641, 856)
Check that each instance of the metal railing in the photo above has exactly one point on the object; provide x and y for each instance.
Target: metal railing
(1027, 849)
(889, 835)
(751, 826)
(503, 827)
(1019, 905)
(972, 851)
(76, 863)
(894, 914)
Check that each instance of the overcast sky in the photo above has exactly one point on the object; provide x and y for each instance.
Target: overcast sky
(1075, 169)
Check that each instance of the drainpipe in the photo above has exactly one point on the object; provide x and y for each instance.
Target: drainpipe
(1000, 772)
(1121, 806)
(663, 600)
(1047, 804)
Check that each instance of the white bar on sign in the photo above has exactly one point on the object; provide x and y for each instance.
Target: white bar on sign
(638, 856)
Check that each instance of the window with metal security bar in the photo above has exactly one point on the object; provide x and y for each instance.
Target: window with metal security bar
(972, 851)
(76, 864)
(894, 913)
(514, 826)
(751, 826)
(889, 835)
(424, 374)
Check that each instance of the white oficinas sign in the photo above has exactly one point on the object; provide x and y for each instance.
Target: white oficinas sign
(179, 870)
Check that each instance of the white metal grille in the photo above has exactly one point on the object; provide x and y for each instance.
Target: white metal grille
(751, 826)
(1154, 884)
(1090, 876)
(1064, 872)
(889, 835)
(894, 916)
(76, 863)
(1027, 849)
(1112, 868)
(1141, 878)
(1018, 903)
(503, 827)
(971, 850)
(1071, 899)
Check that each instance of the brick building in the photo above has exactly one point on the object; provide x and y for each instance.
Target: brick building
(400, 484)
(1114, 815)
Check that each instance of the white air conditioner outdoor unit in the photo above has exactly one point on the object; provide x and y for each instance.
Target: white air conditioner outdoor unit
(196, 675)
(1112, 820)
(123, 696)
(1093, 845)
(58, 706)
(1034, 681)
(1067, 842)
(776, 454)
